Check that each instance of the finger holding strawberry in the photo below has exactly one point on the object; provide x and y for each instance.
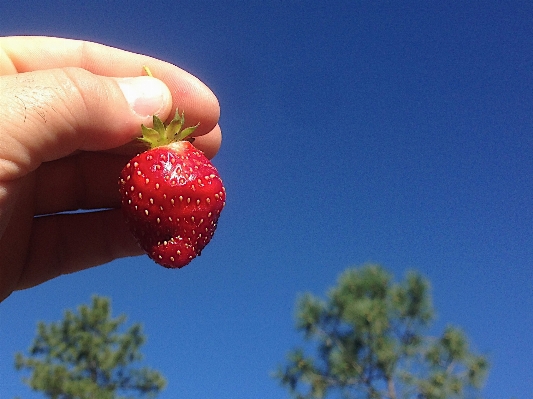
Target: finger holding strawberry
(71, 110)
(172, 195)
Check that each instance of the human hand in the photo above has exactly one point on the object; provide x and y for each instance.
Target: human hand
(70, 113)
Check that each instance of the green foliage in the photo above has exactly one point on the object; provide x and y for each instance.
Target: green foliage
(85, 356)
(371, 344)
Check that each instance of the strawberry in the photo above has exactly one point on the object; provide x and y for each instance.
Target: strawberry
(172, 195)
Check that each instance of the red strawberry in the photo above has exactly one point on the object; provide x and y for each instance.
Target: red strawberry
(172, 195)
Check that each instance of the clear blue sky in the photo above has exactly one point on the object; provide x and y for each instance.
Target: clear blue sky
(354, 132)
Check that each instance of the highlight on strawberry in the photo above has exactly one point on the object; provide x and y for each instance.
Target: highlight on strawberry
(172, 195)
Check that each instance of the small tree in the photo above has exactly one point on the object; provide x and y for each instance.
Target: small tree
(371, 344)
(84, 356)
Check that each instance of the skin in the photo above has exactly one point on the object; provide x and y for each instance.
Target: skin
(67, 130)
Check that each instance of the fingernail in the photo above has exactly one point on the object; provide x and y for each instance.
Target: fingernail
(146, 95)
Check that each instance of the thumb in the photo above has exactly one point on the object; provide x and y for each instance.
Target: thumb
(50, 114)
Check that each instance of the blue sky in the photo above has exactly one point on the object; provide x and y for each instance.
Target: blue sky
(399, 133)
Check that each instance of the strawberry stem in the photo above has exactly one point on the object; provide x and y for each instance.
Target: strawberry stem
(147, 70)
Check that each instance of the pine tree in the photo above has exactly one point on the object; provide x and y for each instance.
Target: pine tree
(370, 336)
(86, 356)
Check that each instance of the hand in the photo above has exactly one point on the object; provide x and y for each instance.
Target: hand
(70, 111)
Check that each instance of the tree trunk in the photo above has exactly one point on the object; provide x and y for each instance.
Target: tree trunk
(390, 388)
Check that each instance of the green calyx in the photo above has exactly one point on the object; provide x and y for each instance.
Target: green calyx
(162, 135)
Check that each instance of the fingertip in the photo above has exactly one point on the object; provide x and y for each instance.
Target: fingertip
(195, 99)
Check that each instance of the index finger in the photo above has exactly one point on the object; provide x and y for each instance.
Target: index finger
(20, 54)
